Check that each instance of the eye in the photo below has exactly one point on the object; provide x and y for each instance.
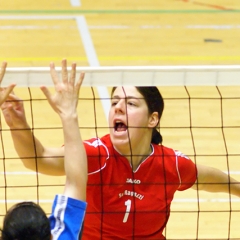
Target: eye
(130, 103)
(114, 102)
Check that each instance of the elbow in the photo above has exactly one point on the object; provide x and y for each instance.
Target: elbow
(29, 163)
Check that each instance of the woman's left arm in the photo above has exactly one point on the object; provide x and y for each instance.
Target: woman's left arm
(213, 180)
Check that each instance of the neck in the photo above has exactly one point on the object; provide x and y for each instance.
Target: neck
(135, 159)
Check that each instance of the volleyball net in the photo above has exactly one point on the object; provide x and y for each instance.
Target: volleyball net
(201, 119)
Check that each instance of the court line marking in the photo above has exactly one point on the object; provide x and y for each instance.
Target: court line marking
(184, 200)
(120, 27)
(214, 6)
(87, 41)
(121, 11)
(203, 200)
(22, 200)
(88, 46)
(125, 58)
(75, 3)
(46, 17)
(19, 173)
(93, 60)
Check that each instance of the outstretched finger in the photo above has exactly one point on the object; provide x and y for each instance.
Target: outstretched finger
(13, 97)
(79, 82)
(3, 69)
(53, 73)
(11, 100)
(64, 71)
(5, 93)
(9, 89)
(46, 92)
(73, 74)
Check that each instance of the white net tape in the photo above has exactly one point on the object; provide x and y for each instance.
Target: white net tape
(134, 75)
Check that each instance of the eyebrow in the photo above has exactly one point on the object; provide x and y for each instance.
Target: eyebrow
(126, 97)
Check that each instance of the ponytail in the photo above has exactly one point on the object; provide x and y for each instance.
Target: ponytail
(156, 137)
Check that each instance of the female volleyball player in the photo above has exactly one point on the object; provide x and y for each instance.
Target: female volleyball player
(132, 176)
(27, 220)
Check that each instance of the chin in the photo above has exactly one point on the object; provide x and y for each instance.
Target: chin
(120, 143)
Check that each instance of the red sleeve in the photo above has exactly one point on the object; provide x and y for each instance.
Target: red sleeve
(187, 171)
(97, 154)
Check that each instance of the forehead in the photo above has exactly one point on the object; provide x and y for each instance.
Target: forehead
(128, 91)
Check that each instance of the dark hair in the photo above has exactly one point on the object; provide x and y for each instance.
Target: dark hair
(26, 221)
(155, 103)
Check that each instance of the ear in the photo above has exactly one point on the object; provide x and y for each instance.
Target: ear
(153, 120)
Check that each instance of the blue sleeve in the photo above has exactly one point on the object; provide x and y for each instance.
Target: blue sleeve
(67, 218)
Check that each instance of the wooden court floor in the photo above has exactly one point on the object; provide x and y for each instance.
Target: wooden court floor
(122, 33)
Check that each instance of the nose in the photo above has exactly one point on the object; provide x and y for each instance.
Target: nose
(120, 107)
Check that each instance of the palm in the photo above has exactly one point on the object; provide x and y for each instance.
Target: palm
(13, 111)
(65, 99)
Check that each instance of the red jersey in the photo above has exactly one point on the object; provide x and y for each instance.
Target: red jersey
(127, 204)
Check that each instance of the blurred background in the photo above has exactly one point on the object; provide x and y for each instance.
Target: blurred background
(120, 32)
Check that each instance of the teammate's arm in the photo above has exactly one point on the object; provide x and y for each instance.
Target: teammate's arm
(64, 102)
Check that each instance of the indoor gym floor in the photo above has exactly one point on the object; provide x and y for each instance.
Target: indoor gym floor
(119, 33)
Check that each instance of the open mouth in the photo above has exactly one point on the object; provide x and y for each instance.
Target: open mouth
(120, 126)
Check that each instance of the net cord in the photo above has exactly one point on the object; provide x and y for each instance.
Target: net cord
(208, 75)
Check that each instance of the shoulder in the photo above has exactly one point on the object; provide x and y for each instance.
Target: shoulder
(178, 164)
(96, 142)
(173, 159)
(161, 150)
(98, 152)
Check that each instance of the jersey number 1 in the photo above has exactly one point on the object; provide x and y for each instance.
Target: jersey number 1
(128, 207)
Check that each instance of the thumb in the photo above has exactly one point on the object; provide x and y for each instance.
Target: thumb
(8, 90)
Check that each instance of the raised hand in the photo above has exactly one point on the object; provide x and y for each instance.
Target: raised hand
(14, 113)
(4, 92)
(65, 99)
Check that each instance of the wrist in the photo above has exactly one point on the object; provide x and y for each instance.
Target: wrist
(69, 120)
(19, 126)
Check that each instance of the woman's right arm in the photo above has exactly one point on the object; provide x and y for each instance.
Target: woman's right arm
(29, 148)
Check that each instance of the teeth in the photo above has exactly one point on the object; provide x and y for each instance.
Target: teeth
(119, 126)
